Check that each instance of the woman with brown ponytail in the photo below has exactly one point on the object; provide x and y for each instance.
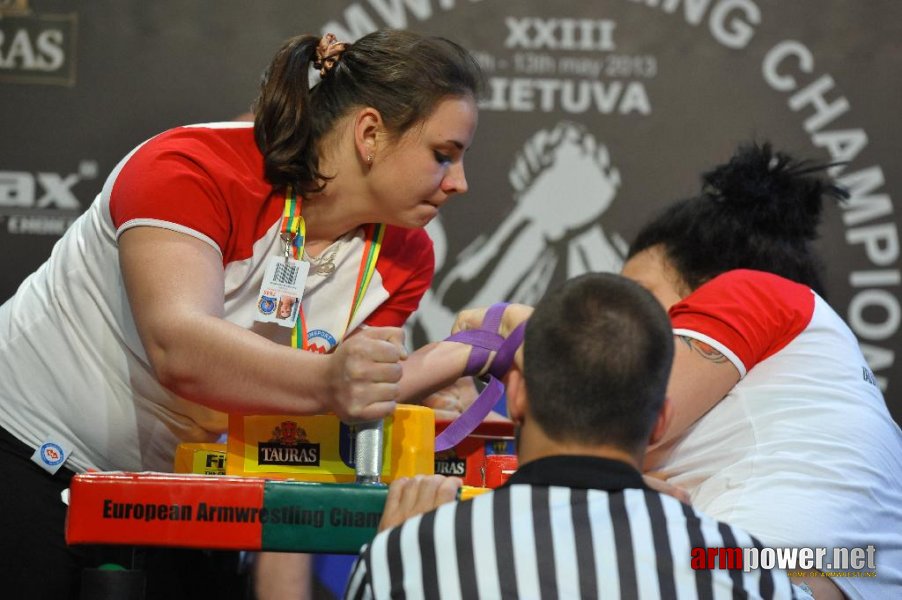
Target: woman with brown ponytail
(157, 314)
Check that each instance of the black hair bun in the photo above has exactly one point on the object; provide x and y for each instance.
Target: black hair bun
(771, 191)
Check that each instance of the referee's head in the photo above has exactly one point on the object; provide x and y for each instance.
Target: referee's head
(597, 357)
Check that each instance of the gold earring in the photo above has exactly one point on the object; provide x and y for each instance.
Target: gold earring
(369, 159)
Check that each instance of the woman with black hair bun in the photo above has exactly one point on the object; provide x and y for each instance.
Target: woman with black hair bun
(778, 425)
(760, 211)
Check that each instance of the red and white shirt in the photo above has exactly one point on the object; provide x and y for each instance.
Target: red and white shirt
(802, 451)
(72, 367)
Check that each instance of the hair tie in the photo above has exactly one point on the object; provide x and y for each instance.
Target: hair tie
(328, 51)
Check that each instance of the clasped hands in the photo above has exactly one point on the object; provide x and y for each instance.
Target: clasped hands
(366, 370)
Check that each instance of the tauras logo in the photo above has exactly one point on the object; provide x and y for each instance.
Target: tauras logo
(449, 463)
(36, 48)
(300, 455)
(288, 446)
(450, 466)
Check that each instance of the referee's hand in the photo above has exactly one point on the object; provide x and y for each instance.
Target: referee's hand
(408, 497)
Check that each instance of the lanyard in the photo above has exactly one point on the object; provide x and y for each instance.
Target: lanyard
(293, 232)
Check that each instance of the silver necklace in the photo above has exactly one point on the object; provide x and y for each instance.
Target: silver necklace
(324, 264)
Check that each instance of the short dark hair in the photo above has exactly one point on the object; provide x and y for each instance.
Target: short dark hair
(400, 73)
(597, 358)
(761, 210)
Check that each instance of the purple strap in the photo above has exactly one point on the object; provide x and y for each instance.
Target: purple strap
(484, 340)
(505, 357)
(470, 419)
(492, 319)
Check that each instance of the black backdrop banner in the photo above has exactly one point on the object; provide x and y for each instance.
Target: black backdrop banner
(597, 114)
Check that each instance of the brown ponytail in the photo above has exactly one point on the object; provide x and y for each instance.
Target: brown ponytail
(282, 127)
(400, 73)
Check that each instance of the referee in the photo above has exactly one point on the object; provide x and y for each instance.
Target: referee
(576, 520)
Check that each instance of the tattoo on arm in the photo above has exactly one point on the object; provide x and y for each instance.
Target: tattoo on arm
(705, 350)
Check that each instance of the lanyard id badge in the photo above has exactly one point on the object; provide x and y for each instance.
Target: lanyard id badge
(282, 289)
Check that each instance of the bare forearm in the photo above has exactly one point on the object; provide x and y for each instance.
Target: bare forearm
(175, 286)
(432, 368)
(220, 365)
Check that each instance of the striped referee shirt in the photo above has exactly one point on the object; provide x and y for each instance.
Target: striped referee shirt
(562, 527)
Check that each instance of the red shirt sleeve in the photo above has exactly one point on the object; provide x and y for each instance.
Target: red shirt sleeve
(205, 181)
(169, 181)
(406, 263)
(753, 314)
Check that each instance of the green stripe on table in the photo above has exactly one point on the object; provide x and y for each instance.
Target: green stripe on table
(332, 518)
